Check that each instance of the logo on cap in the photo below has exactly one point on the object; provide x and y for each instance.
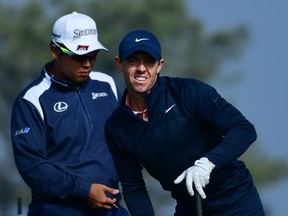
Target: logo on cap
(54, 35)
(140, 39)
(82, 47)
(78, 33)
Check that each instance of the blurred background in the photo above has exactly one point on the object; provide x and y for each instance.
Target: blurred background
(239, 47)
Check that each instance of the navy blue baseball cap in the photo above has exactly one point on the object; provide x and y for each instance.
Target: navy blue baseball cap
(140, 40)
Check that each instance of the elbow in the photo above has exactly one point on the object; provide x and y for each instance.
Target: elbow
(254, 136)
(254, 133)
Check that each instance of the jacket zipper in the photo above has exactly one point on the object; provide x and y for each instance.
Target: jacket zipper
(83, 105)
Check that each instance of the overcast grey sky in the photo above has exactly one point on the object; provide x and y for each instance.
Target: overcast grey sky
(262, 95)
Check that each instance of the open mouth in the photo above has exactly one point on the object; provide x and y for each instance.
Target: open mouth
(140, 78)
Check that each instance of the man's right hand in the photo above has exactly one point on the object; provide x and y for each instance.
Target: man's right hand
(98, 199)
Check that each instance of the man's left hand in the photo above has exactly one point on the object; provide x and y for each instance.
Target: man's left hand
(199, 173)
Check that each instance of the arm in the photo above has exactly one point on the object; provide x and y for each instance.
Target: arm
(42, 175)
(131, 178)
(228, 131)
(237, 132)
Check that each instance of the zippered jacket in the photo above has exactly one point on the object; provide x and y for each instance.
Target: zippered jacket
(188, 120)
(58, 136)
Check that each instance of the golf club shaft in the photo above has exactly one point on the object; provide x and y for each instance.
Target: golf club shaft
(198, 204)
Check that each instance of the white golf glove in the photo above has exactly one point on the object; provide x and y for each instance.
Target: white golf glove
(199, 174)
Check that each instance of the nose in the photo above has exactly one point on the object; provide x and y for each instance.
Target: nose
(87, 63)
(141, 66)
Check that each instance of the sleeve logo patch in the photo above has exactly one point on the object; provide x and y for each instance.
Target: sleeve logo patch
(22, 131)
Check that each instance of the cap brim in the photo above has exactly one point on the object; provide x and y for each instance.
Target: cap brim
(148, 50)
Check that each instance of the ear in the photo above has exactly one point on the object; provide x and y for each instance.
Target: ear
(55, 52)
(160, 65)
(118, 62)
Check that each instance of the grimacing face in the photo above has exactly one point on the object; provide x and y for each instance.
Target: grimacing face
(140, 72)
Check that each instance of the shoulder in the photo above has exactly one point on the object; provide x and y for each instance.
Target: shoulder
(100, 76)
(31, 94)
(186, 85)
(35, 89)
(103, 77)
(191, 92)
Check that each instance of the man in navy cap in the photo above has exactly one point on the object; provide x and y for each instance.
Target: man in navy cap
(183, 132)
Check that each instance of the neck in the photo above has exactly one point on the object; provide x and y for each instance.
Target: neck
(135, 102)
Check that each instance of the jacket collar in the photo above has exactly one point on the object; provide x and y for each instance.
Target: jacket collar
(67, 84)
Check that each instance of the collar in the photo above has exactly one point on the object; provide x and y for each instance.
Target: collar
(46, 72)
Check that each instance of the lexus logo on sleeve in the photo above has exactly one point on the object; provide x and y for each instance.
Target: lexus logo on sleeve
(60, 106)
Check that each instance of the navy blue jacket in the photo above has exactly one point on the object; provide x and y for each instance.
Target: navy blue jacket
(58, 137)
(187, 120)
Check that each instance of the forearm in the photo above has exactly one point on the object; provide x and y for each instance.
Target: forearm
(51, 181)
(138, 201)
(234, 144)
(228, 122)
(43, 174)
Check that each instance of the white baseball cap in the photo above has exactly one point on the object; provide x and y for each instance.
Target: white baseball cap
(78, 32)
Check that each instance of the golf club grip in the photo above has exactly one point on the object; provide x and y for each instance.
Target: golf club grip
(198, 204)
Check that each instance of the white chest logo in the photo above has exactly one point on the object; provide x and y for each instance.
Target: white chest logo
(96, 95)
(60, 106)
(167, 110)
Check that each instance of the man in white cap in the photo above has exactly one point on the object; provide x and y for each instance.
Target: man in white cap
(57, 128)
